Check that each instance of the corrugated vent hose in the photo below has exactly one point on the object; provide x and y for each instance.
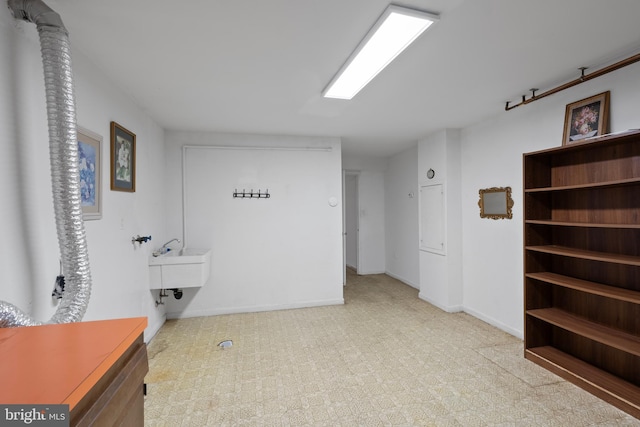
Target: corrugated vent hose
(65, 177)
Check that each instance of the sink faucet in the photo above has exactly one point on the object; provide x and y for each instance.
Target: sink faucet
(172, 240)
(164, 248)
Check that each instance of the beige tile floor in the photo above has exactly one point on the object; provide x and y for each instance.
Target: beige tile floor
(385, 358)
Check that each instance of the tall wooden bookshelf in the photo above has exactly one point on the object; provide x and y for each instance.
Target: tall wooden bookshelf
(582, 265)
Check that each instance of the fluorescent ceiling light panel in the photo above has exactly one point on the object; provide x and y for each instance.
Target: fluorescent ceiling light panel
(394, 31)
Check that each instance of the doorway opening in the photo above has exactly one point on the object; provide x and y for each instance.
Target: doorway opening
(350, 223)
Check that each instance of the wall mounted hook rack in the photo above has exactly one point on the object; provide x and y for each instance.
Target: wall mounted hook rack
(251, 194)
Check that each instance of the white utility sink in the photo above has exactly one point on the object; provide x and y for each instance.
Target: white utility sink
(185, 268)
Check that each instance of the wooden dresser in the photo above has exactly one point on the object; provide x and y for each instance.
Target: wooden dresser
(97, 368)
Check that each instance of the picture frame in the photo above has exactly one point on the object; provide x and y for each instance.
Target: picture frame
(496, 203)
(123, 159)
(90, 170)
(586, 118)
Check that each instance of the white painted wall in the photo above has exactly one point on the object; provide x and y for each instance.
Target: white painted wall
(441, 273)
(401, 217)
(29, 252)
(371, 203)
(485, 270)
(267, 254)
(492, 156)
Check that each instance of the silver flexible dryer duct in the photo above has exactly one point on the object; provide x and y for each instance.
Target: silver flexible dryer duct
(65, 176)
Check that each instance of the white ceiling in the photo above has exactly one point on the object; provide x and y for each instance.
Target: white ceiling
(259, 66)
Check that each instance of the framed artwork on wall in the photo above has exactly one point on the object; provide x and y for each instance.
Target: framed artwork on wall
(586, 118)
(496, 203)
(123, 159)
(89, 160)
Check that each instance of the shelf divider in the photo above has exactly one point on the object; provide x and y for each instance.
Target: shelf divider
(594, 331)
(584, 254)
(581, 224)
(606, 291)
(609, 388)
(586, 185)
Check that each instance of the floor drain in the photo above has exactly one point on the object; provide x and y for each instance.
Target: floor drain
(225, 344)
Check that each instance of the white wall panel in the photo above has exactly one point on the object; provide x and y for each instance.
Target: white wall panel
(284, 251)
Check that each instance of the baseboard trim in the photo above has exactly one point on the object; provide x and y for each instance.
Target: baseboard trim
(461, 308)
(253, 309)
(494, 322)
(403, 280)
(365, 273)
(153, 329)
(447, 308)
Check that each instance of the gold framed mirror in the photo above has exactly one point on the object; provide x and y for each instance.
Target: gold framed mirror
(496, 203)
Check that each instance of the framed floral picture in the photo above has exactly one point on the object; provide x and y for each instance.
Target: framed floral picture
(89, 160)
(123, 159)
(586, 118)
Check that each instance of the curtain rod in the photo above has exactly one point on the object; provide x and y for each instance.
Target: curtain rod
(253, 147)
(613, 67)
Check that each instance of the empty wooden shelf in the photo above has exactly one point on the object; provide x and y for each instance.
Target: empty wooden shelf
(582, 265)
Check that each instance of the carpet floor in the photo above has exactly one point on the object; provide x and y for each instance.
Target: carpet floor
(384, 358)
